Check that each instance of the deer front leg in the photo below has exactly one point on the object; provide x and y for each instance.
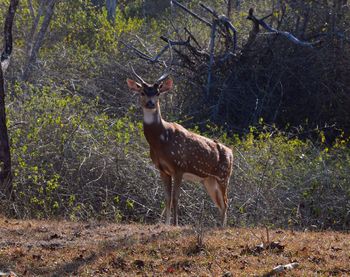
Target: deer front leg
(167, 190)
(175, 197)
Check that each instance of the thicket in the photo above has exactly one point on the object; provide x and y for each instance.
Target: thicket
(76, 132)
(265, 74)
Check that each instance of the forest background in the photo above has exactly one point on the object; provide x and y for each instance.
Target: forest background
(280, 99)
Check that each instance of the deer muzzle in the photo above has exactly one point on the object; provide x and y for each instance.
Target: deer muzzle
(150, 104)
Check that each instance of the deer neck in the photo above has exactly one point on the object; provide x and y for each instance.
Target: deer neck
(153, 124)
(152, 117)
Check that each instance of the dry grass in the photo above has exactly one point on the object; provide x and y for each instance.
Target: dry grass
(59, 248)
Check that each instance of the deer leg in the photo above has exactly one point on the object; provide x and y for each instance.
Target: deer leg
(218, 193)
(223, 187)
(175, 197)
(167, 189)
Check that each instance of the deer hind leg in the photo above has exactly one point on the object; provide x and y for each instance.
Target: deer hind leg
(223, 187)
(167, 189)
(218, 193)
(175, 197)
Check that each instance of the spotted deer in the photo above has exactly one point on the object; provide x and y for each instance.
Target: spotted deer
(180, 154)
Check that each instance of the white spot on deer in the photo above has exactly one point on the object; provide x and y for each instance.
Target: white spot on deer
(172, 153)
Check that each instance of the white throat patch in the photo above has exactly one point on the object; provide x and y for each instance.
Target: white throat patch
(150, 116)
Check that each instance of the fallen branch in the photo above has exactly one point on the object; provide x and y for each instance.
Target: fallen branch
(270, 29)
(281, 268)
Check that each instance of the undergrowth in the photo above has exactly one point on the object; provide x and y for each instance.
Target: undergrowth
(72, 160)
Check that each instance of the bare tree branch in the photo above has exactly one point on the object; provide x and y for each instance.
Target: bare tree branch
(289, 36)
(39, 39)
(31, 34)
(225, 24)
(156, 58)
(192, 13)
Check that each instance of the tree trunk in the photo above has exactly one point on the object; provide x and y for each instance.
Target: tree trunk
(31, 60)
(34, 28)
(5, 155)
(111, 6)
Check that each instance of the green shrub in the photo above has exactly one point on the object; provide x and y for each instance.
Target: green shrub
(284, 181)
(64, 151)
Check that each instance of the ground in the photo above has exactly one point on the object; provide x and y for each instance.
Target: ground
(62, 248)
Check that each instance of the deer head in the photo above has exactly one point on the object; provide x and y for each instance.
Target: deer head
(149, 93)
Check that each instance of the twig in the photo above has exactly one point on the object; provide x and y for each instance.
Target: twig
(192, 37)
(209, 9)
(143, 44)
(138, 52)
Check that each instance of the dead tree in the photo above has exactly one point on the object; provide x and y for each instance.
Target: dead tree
(5, 156)
(220, 25)
(235, 89)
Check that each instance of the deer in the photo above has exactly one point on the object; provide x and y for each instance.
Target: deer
(180, 154)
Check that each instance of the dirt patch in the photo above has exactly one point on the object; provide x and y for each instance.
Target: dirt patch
(62, 248)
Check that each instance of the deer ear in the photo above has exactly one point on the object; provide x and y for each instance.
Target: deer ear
(133, 85)
(166, 85)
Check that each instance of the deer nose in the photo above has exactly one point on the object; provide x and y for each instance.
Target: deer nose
(150, 104)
